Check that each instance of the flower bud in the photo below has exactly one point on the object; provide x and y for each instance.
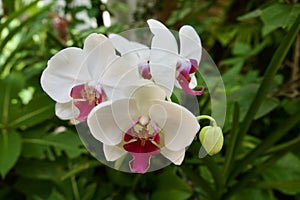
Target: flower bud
(212, 139)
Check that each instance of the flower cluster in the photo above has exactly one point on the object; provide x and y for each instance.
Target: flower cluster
(122, 90)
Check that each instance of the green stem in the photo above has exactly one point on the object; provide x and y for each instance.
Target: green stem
(266, 84)
(207, 117)
(232, 143)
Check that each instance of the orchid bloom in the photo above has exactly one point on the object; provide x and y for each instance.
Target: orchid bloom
(79, 79)
(138, 55)
(163, 48)
(162, 63)
(143, 125)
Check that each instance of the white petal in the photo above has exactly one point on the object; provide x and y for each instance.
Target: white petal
(190, 43)
(163, 73)
(99, 53)
(163, 39)
(179, 125)
(163, 56)
(175, 156)
(145, 95)
(113, 153)
(66, 110)
(117, 76)
(64, 70)
(135, 53)
(142, 50)
(110, 120)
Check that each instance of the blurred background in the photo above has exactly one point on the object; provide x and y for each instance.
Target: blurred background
(255, 45)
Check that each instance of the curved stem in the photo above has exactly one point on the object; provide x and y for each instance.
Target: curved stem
(207, 117)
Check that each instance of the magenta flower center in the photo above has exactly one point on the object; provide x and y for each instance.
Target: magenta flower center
(185, 68)
(144, 70)
(142, 141)
(85, 99)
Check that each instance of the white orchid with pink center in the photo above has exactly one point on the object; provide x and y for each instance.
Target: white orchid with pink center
(121, 92)
(79, 79)
(163, 62)
(143, 125)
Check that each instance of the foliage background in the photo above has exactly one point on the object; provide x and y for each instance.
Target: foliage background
(254, 43)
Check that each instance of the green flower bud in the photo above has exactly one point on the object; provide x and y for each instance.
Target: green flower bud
(212, 139)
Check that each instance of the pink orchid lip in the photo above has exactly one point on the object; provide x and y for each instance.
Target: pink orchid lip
(85, 99)
(184, 83)
(184, 77)
(142, 146)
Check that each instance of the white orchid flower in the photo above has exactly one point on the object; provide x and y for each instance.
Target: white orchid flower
(188, 58)
(79, 79)
(138, 55)
(143, 125)
(162, 63)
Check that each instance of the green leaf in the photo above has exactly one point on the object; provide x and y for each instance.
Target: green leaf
(16, 14)
(267, 106)
(250, 15)
(9, 87)
(263, 90)
(33, 188)
(284, 175)
(119, 178)
(10, 149)
(55, 195)
(241, 49)
(14, 31)
(291, 106)
(170, 194)
(250, 194)
(40, 169)
(170, 186)
(272, 16)
(40, 108)
(89, 191)
(36, 146)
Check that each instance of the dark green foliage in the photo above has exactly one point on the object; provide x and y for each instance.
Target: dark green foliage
(255, 44)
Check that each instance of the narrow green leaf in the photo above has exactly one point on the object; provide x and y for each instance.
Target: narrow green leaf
(250, 15)
(24, 23)
(275, 135)
(266, 84)
(267, 106)
(67, 142)
(231, 147)
(10, 149)
(9, 87)
(38, 110)
(16, 14)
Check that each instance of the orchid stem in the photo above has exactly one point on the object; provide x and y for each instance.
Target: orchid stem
(209, 118)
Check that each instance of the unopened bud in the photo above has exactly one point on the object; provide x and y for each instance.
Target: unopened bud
(212, 139)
